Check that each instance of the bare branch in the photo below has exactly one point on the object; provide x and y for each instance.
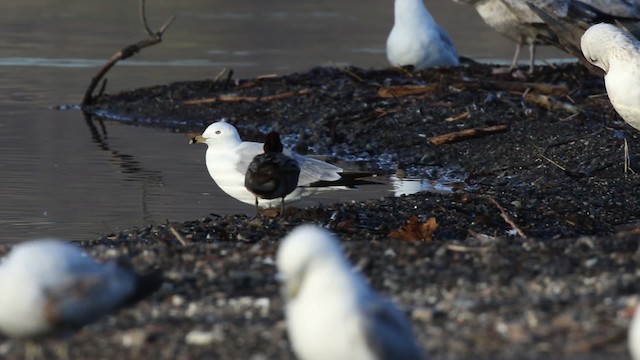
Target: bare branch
(127, 52)
(143, 18)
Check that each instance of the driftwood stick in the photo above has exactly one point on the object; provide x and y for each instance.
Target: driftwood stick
(415, 90)
(506, 217)
(234, 98)
(468, 134)
(127, 52)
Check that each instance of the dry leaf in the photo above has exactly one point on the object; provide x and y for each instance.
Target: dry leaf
(346, 225)
(415, 231)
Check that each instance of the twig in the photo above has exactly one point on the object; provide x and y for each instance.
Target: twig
(220, 74)
(406, 90)
(352, 74)
(461, 248)
(102, 87)
(505, 216)
(233, 98)
(626, 156)
(553, 163)
(468, 134)
(515, 86)
(127, 52)
(143, 18)
(464, 116)
(178, 237)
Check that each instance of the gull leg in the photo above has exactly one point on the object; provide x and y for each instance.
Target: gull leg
(282, 207)
(257, 208)
(532, 57)
(514, 62)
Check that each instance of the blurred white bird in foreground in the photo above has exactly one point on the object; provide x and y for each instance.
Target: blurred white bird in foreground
(634, 335)
(331, 312)
(617, 53)
(417, 40)
(50, 287)
(228, 158)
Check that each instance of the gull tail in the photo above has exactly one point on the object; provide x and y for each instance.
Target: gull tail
(349, 180)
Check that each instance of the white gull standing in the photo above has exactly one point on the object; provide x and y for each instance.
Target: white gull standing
(516, 21)
(51, 287)
(416, 39)
(331, 312)
(617, 53)
(228, 158)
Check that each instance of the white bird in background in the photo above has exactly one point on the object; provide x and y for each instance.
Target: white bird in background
(569, 19)
(51, 287)
(516, 21)
(417, 40)
(618, 54)
(331, 312)
(228, 158)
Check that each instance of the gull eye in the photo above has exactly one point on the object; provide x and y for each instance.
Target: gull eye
(218, 132)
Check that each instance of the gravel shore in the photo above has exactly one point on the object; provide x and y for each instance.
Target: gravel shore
(535, 252)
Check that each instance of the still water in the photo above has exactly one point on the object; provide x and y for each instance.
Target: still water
(58, 178)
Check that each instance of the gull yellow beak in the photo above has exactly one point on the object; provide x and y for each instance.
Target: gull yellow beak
(198, 139)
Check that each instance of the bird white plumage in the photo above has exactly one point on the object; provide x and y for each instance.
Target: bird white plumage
(516, 21)
(50, 287)
(228, 158)
(634, 335)
(331, 312)
(416, 39)
(618, 54)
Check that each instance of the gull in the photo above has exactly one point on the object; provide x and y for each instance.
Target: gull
(331, 312)
(228, 158)
(634, 335)
(273, 174)
(516, 21)
(617, 53)
(51, 288)
(577, 16)
(417, 40)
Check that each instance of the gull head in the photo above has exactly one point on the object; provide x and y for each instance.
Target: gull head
(601, 43)
(219, 133)
(299, 251)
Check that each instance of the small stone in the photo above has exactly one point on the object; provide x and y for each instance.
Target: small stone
(134, 338)
(422, 314)
(200, 337)
(177, 300)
